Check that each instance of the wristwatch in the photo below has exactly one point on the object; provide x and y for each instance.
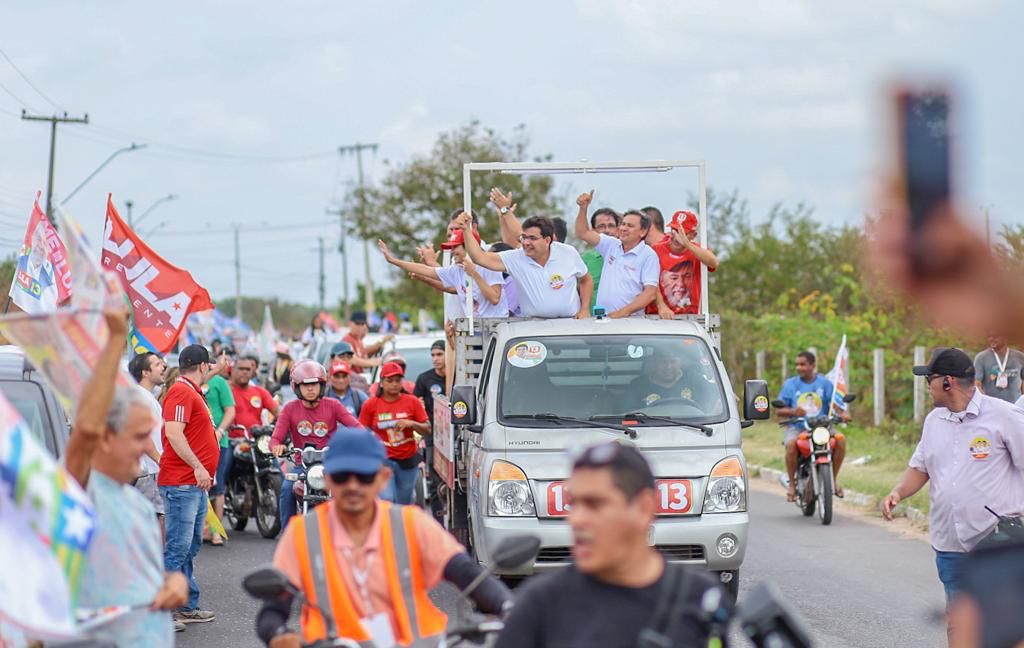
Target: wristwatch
(503, 210)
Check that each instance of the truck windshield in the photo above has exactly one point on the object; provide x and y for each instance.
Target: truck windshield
(612, 375)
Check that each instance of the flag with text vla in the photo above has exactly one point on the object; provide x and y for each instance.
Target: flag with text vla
(42, 278)
(46, 525)
(161, 295)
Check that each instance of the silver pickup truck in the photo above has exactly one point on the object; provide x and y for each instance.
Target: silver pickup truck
(529, 392)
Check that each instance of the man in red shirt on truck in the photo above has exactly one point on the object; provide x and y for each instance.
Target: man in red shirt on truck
(187, 465)
(395, 416)
(681, 259)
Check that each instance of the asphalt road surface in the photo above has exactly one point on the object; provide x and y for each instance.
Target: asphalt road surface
(856, 583)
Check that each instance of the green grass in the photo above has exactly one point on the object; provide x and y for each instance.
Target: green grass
(762, 445)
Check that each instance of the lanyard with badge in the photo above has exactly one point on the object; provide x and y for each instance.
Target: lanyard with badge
(378, 625)
(1003, 380)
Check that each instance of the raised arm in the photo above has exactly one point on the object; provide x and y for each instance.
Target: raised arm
(490, 293)
(510, 226)
(583, 231)
(704, 255)
(433, 283)
(411, 267)
(489, 260)
(97, 395)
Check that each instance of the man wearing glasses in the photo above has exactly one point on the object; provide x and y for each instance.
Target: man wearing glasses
(365, 551)
(972, 454)
(551, 277)
(619, 588)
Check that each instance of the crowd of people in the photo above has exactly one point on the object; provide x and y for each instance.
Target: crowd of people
(633, 267)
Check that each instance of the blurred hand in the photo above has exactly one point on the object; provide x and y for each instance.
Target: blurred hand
(173, 594)
(116, 316)
(585, 199)
(203, 479)
(427, 255)
(383, 247)
(279, 450)
(469, 267)
(502, 200)
(664, 312)
(889, 503)
(463, 222)
(584, 313)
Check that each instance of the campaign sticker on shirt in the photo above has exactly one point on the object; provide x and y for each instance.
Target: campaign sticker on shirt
(256, 402)
(320, 429)
(527, 354)
(435, 389)
(980, 448)
(556, 282)
(305, 428)
(652, 398)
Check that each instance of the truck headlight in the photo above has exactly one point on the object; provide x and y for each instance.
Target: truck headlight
(820, 436)
(315, 477)
(727, 487)
(508, 492)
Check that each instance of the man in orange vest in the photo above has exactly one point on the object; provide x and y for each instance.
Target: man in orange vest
(364, 565)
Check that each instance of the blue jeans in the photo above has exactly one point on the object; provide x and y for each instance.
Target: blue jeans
(402, 485)
(227, 457)
(287, 505)
(184, 517)
(950, 566)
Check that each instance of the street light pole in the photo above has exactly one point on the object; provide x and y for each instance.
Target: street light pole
(358, 149)
(159, 201)
(126, 149)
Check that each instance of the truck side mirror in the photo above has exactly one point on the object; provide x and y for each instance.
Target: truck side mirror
(755, 400)
(464, 405)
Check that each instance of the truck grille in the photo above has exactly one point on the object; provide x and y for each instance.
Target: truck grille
(672, 552)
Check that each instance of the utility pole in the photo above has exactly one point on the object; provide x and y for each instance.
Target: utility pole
(238, 274)
(320, 241)
(358, 149)
(347, 308)
(54, 120)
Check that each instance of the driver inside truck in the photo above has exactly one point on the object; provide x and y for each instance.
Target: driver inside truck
(669, 377)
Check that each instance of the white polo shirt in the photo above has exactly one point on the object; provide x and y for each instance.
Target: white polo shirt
(973, 459)
(454, 276)
(547, 290)
(625, 274)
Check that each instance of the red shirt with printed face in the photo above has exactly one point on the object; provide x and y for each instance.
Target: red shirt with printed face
(679, 280)
(381, 416)
(185, 404)
(250, 401)
(311, 426)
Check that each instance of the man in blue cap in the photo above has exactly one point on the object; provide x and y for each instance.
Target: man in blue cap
(366, 552)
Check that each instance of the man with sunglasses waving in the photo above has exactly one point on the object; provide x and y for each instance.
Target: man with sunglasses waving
(620, 591)
(365, 565)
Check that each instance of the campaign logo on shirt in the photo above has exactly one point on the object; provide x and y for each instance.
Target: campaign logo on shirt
(385, 420)
(687, 393)
(256, 402)
(810, 402)
(652, 398)
(556, 282)
(305, 428)
(435, 389)
(980, 448)
(320, 429)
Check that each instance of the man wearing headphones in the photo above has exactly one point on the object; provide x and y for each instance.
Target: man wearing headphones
(972, 454)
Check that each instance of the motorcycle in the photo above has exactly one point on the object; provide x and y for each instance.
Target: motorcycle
(815, 488)
(268, 584)
(254, 483)
(310, 483)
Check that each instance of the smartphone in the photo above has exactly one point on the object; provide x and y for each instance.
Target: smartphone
(994, 578)
(925, 157)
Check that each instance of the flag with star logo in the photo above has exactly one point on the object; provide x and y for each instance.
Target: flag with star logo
(161, 295)
(45, 530)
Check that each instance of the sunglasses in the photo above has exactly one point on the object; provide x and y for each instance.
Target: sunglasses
(363, 478)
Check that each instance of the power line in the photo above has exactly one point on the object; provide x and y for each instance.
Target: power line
(29, 82)
(261, 228)
(23, 104)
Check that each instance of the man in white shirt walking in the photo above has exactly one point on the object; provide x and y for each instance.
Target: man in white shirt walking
(629, 277)
(971, 454)
(551, 277)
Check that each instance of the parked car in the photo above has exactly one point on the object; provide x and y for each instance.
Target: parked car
(35, 401)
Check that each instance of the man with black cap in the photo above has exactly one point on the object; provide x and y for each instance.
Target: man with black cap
(428, 384)
(971, 454)
(367, 563)
(187, 466)
(357, 330)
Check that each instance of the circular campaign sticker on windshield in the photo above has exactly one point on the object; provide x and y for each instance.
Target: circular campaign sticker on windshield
(527, 354)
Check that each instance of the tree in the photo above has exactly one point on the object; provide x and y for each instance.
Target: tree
(412, 203)
(7, 267)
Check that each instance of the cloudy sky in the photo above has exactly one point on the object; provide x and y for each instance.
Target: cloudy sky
(243, 105)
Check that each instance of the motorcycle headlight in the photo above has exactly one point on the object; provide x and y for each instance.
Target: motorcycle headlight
(820, 436)
(727, 487)
(508, 492)
(315, 477)
(263, 444)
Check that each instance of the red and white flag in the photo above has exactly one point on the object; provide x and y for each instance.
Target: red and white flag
(42, 279)
(161, 295)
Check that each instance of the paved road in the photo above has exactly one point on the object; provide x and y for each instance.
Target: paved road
(856, 584)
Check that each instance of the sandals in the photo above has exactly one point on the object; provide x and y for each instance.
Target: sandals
(840, 493)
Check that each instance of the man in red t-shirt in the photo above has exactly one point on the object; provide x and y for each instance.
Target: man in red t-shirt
(395, 416)
(189, 460)
(250, 400)
(681, 259)
(364, 355)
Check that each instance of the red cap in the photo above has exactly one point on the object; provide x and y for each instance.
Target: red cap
(457, 238)
(338, 366)
(391, 369)
(685, 220)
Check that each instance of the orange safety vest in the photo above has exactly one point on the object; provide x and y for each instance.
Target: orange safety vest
(419, 622)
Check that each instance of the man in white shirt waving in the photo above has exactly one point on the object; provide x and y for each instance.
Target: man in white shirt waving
(552, 278)
(629, 278)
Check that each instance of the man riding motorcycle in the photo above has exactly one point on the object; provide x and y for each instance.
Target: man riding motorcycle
(366, 566)
(310, 420)
(808, 394)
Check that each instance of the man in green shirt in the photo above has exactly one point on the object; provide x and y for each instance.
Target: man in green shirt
(222, 408)
(603, 221)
